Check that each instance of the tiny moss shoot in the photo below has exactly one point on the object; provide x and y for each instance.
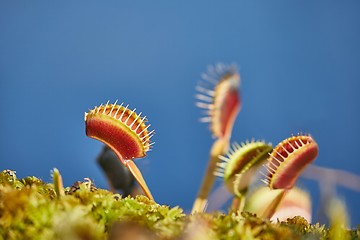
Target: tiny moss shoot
(58, 183)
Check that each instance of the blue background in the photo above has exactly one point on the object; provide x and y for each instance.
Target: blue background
(299, 62)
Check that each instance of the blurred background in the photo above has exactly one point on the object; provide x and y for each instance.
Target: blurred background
(299, 63)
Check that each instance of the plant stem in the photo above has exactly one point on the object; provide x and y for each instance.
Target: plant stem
(270, 210)
(238, 203)
(139, 178)
(219, 147)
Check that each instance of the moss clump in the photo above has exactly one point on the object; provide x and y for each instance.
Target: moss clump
(30, 209)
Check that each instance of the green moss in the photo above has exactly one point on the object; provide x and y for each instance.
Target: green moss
(30, 209)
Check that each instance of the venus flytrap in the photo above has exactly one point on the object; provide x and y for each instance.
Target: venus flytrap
(285, 163)
(239, 166)
(296, 202)
(219, 96)
(125, 132)
(288, 159)
(221, 103)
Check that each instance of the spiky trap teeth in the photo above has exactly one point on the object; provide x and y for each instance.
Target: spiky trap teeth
(287, 161)
(120, 128)
(219, 96)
